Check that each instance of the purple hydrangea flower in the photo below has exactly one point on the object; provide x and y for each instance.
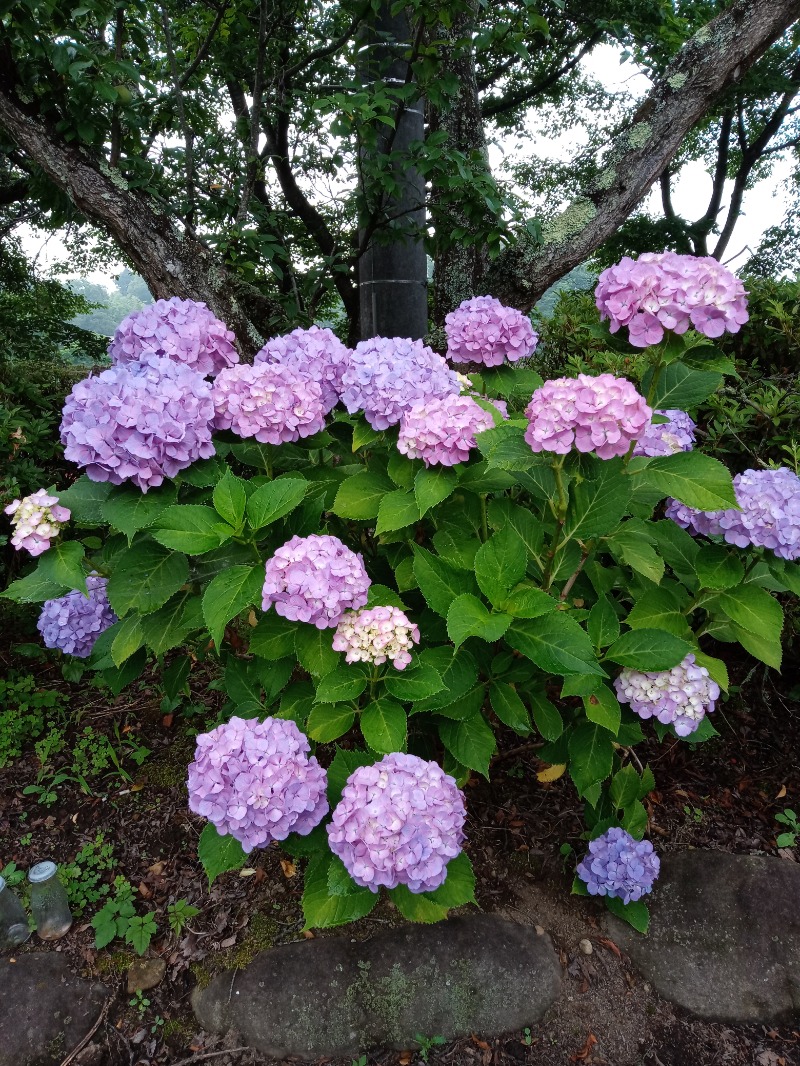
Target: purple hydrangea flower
(72, 623)
(399, 822)
(255, 781)
(619, 866)
(316, 352)
(376, 635)
(442, 431)
(680, 697)
(182, 330)
(677, 435)
(664, 290)
(387, 376)
(271, 402)
(602, 414)
(482, 330)
(315, 579)
(140, 422)
(37, 519)
(769, 515)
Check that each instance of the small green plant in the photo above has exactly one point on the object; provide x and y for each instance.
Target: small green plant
(25, 713)
(86, 877)
(158, 1022)
(140, 1002)
(118, 918)
(25, 840)
(360, 1061)
(178, 915)
(427, 1044)
(694, 814)
(12, 875)
(527, 1039)
(788, 817)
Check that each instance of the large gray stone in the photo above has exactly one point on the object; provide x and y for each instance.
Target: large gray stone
(45, 1010)
(724, 940)
(331, 997)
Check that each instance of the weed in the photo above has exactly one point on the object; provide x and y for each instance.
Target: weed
(118, 918)
(140, 1003)
(25, 713)
(427, 1044)
(86, 877)
(178, 915)
(789, 839)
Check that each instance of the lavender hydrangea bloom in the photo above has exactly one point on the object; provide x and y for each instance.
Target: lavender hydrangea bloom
(680, 697)
(72, 623)
(619, 866)
(315, 579)
(664, 290)
(442, 431)
(255, 781)
(769, 515)
(271, 402)
(387, 376)
(677, 435)
(399, 822)
(182, 330)
(141, 422)
(316, 352)
(603, 414)
(482, 330)
(37, 519)
(375, 635)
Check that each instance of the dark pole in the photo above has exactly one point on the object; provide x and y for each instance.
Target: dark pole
(392, 271)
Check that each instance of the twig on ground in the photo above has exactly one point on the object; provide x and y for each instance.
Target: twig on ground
(210, 1055)
(90, 1034)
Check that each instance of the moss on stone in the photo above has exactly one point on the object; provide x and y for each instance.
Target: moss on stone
(115, 962)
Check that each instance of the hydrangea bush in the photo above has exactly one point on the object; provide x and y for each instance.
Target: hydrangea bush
(408, 560)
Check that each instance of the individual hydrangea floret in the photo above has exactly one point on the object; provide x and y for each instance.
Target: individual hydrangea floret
(769, 515)
(315, 579)
(619, 866)
(375, 635)
(666, 438)
(603, 414)
(256, 782)
(386, 377)
(141, 422)
(316, 352)
(273, 403)
(37, 519)
(680, 697)
(482, 330)
(182, 330)
(399, 822)
(72, 623)
(442, 431)
(660, 291)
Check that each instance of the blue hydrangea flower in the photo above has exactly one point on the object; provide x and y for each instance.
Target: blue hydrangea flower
(619, 866)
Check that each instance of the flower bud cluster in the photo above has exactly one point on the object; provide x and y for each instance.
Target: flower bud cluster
(375, 635)
(37, 519)
(680, 697)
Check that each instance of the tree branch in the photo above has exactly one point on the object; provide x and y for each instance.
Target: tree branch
(188, 132)
(326, 50)
(252, 158)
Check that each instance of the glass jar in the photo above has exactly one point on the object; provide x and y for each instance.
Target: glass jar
(13, 921)
(49, 904)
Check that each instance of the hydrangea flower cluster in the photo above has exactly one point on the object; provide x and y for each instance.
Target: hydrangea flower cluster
(37, 519)
(664, 290)
(255, 781)
(677, 435)
(399, 822)
(315, 579)
(271, 402)
(482, 330)
(442, 431)
(387, 376)
(603, 414)
(680, 697)
(316, 352)
(769, 515)
(619, 866)
(182, 330)
(72, 623)
(140, 422)
(376, 635)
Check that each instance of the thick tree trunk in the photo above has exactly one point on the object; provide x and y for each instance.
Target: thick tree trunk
(716, 58)
(171, 263)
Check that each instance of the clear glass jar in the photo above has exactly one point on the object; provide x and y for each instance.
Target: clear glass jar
(49, 904)
(13, 920)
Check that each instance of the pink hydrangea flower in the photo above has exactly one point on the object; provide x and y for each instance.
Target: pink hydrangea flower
(680, 697)
(442, 431)
(37, 519)
(602, 414)
(315, 352)
(256, 782)
(182, 330)
(375, 635)
(666, 291)
(315, 579)
(482, 330)
(399, 822)
(274, 403)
